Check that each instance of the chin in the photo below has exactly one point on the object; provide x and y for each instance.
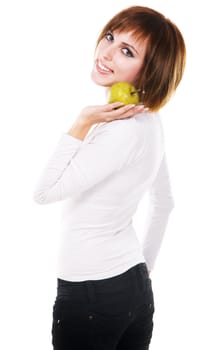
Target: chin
(100, 80)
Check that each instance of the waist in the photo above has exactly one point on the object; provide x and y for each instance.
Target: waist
(138, 273)
(98, 255)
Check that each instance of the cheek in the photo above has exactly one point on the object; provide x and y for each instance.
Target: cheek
(102, 46)
(96, 52)
(130, 73)
(98, 49)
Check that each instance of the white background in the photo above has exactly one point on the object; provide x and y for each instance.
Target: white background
(46, 58)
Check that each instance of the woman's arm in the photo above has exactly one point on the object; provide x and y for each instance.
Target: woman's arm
(161, 205)
(76, 166)
(79, 131)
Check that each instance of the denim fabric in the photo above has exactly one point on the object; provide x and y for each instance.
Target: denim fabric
(110, 314)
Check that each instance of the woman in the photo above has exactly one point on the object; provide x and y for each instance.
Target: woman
(104, 296)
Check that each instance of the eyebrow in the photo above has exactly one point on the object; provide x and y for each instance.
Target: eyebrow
(132, 47)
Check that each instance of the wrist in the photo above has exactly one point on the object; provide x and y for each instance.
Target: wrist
(79, 130)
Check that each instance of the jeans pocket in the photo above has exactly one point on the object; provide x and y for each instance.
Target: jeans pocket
(66, 311)
(109, 325)
(70, 322)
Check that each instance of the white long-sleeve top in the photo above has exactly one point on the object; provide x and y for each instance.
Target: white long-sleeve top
(100, 181)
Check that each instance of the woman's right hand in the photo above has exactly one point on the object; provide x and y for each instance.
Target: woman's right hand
(112, 111)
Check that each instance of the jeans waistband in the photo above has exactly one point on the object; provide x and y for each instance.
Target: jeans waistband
(134, 277)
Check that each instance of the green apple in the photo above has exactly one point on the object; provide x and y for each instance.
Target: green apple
(123, 92)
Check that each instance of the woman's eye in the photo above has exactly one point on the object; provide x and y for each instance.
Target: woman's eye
(109, 37)
(127, 52)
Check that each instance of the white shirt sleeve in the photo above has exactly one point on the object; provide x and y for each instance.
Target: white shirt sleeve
(76, 166)
(161, 204)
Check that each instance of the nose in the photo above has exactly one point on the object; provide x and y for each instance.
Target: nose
(108, 53)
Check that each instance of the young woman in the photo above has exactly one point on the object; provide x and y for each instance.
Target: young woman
(104, 297)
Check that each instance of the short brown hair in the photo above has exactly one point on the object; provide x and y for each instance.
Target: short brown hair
(165, 57)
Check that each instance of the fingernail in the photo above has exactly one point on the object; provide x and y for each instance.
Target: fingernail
(118, 103)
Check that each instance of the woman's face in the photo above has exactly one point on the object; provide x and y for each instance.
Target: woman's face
(118, 57)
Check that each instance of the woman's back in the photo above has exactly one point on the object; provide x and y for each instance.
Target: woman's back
(98, 239)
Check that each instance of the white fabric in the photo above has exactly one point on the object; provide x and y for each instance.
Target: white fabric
(101, 181)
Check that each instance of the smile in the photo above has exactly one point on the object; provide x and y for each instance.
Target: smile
(101, 68)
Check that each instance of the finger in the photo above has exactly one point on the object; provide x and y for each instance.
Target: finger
(120, 111)
(125, 112)
(140, 109)
(112, 106)
(133, 112)
(128, 110)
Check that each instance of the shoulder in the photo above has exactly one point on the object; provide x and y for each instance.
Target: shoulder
(135, 130)
(121, 129)
(148, 127)
(132, 125)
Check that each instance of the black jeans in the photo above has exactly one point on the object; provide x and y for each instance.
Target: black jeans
(110, 314)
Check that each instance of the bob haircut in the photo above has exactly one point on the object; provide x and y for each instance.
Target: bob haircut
(165, 57)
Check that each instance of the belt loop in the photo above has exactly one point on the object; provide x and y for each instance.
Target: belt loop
(135, 277)
(90, 291)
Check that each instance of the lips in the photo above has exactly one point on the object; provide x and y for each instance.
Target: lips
(102, 68)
